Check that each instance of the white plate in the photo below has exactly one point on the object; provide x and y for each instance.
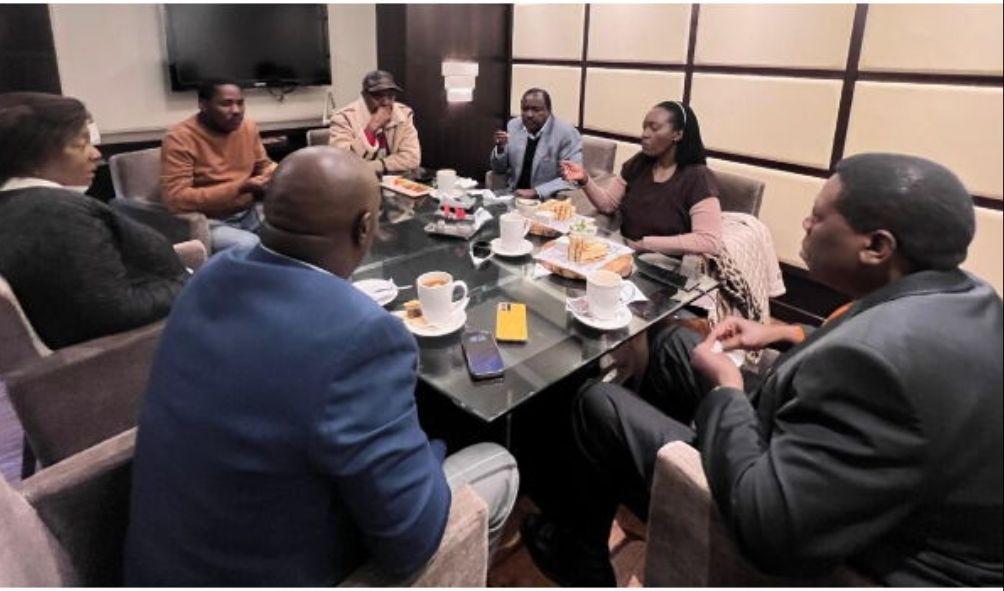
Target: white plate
(621, 320)
(382, 291)
(434, 330)
(525, 248)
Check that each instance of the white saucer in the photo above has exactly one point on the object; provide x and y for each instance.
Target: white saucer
(622, 320)
(525, 248)
(382, 291)
(429, 330)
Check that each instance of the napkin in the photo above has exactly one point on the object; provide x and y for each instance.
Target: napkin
(465, 183)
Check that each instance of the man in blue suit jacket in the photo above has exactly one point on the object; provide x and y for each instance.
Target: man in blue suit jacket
(279, 442)
(532, 146)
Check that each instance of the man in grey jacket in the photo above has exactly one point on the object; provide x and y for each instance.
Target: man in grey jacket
(874, 442)
(529, 151)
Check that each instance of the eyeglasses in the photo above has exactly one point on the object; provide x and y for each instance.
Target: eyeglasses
(480, 252)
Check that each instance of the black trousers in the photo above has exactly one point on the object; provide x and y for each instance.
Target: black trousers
(617, 436)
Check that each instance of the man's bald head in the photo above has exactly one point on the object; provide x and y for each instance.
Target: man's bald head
(321, 207)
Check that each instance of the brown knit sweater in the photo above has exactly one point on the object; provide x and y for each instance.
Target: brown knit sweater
(201, 170)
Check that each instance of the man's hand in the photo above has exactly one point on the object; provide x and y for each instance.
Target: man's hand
(379, 119)
(254, 185)
(740, 333)
(573, 172)
(525, 193)
(501, 139)
(716, 366)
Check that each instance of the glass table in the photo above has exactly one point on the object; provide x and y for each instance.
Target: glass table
(558, 344)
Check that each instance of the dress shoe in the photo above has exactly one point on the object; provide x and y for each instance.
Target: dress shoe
(563, 557)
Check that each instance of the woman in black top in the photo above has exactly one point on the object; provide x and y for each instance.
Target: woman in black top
(667, 197)
(78, 268)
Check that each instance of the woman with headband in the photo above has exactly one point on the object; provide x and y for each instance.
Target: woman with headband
(667, 197)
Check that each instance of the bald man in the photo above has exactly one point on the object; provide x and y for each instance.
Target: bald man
(279, 443)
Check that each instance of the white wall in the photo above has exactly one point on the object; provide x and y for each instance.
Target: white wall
(114, 58)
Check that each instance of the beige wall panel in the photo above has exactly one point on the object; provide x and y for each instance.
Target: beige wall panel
(352, 34)
(939, 38)
(561, 82)
(624, 153)
(787, 199)
(548, 31)
(985, 252)
(787, 119)
(780, 35)
(113, 56)
(617, 100)
(958, 126)
(654, 33)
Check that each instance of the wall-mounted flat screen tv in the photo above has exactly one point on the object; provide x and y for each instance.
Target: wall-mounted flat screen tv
(278, 45)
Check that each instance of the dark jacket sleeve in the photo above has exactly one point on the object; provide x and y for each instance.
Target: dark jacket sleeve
(841, 469)
(369, 442)
(101, 274)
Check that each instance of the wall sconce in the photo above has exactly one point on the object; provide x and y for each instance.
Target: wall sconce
(458, 78)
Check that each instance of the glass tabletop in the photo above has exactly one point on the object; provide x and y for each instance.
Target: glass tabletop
(558, 344)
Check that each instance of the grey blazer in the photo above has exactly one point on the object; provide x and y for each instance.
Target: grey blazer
(876, 442)
(558, 141)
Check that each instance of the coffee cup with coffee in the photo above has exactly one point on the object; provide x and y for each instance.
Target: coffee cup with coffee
(604, 294)
(436, 293)
(513, 228)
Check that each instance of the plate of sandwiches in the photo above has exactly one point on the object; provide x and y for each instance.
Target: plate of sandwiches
(575, 255)
(406, 187)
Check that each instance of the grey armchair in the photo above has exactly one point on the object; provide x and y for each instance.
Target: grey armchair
(81, 395)
(136, 179)
(688, 545)
(66, 526)
(739, 193)
(319, 137)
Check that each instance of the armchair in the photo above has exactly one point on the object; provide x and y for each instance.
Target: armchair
(460, 561)
(319, 137)
(66, 526)
(688, 544)
(136, 178)
(80, 395)
(738, 193)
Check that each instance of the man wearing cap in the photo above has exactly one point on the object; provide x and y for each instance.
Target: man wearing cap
(377, 127)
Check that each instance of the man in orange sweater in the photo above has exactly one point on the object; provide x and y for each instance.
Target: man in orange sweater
(214, 163)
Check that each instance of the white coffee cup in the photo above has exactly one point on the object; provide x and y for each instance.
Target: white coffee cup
(435, 294)
(513, 228)
(446, 179)
(603, 294)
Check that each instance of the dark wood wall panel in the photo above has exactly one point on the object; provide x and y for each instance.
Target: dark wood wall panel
(27, 53)
(414, 40)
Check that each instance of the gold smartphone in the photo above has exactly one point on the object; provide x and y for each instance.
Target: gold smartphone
(510, 322)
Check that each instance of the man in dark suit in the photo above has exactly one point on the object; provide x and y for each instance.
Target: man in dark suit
(279, 443)
(873, 442)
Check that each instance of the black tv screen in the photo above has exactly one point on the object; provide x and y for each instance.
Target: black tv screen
(253, 44)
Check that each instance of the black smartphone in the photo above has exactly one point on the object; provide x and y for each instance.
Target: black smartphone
(656, 302)
(484, 361)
